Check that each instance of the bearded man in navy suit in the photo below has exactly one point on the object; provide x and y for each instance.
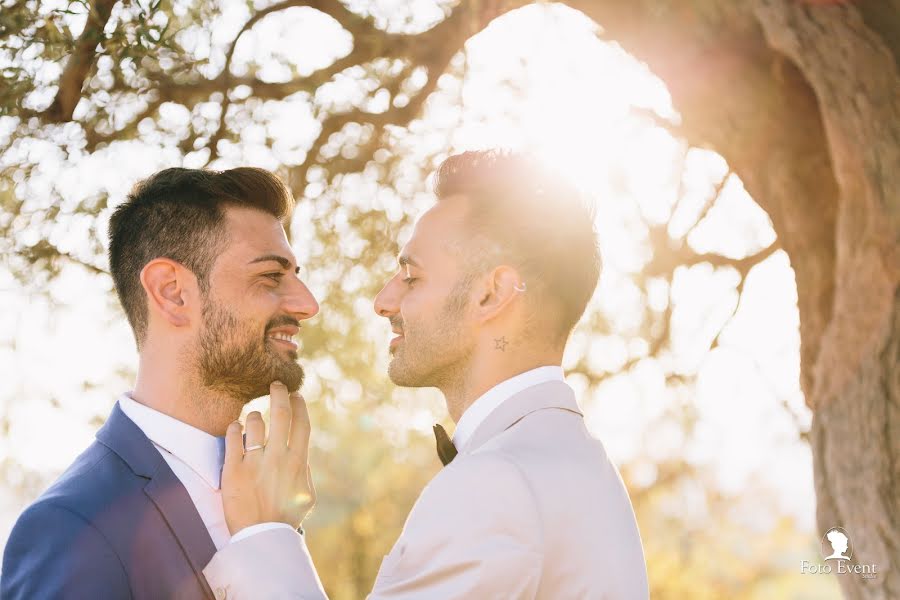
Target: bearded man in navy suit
(206, 276)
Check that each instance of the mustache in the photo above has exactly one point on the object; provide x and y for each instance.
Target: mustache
(396, 322)
(281, 321)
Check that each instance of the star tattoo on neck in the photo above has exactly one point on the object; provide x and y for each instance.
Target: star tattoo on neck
(500, 344)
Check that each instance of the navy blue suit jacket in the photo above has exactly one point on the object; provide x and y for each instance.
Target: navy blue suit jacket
(117, 524)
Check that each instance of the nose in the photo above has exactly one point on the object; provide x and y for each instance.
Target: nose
(387, 302)
(300, 302)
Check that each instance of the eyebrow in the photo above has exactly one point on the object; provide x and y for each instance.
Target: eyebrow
(284, 262)
(405, 259)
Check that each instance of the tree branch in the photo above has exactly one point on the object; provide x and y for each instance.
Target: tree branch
(45, 251)
(665, 261)
(79, 64)
(710, 202)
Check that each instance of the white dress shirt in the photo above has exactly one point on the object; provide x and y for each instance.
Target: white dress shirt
(485, 404)
(196, 458)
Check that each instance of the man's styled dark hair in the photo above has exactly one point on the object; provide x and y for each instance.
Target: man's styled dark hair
(524, 215)
(180, 214)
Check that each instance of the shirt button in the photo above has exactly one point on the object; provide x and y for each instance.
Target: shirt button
(220, 593)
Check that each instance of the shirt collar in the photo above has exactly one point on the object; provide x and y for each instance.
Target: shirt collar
(202, 452)
(479, 410)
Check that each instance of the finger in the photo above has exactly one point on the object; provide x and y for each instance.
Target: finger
(300, 427)
(279, 416)
(234, 447)
(255, 431)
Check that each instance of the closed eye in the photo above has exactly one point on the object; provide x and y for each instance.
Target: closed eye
(410, 280)
(274, 276)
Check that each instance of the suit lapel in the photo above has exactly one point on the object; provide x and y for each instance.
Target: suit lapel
(164, 489)
(550, 395)
(177, 508)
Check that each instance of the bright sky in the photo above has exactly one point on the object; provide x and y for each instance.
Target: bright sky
(538, 79)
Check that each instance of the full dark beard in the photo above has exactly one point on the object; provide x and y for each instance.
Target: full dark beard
(241, 363)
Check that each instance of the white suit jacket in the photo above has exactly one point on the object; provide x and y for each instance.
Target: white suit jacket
(531, 507)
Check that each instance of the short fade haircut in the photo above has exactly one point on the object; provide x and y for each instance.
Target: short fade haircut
(180, 214)
(524, 215)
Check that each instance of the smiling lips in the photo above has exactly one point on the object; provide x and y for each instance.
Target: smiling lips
(284, 336)
(397, 339)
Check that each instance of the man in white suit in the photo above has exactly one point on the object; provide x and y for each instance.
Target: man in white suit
(489, 287)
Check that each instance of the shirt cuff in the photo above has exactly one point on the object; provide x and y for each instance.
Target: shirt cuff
(258, 528)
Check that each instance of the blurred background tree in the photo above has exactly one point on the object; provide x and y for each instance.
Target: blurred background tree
(712, 305)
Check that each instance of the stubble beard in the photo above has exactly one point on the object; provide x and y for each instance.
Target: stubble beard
(240, 363)
(436, 358)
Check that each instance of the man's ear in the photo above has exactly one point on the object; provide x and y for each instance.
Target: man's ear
(498, 290)
(170, 290)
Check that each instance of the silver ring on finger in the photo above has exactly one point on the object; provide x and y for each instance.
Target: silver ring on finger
(252, 448)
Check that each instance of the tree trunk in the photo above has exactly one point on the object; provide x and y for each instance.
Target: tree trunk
(803, 100)
(851, 64)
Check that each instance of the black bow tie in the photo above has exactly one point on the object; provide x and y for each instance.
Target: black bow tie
(445, 448)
